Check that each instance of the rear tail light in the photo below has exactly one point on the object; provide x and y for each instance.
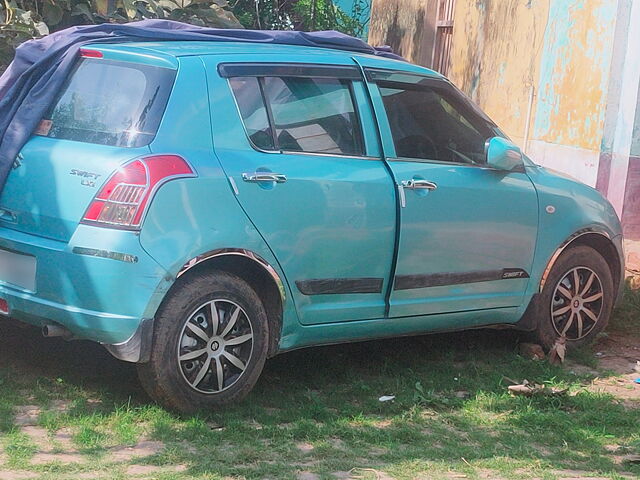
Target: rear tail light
(4, 307)
(123, 199)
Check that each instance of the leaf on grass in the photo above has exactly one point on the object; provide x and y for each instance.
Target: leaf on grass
(527, 389)
(558, 351)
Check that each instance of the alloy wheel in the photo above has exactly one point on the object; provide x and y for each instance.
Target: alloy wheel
(577, 303)
(215, 346)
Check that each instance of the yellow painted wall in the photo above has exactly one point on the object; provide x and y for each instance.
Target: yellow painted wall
(561, 47)
(406, 25)
(495, 57)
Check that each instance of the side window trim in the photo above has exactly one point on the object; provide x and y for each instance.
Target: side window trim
(439, 162)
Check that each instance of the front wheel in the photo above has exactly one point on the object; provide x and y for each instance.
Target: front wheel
(577, 298)
(210, 343)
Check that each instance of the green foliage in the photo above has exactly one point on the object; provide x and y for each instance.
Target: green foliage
(265, 14)
(305, 15)
(325, 15)
(21, 20)
(26, 19)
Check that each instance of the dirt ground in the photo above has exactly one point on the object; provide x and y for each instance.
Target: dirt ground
(620, 355)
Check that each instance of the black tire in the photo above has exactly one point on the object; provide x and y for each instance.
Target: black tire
(559, 286)
(170, 381)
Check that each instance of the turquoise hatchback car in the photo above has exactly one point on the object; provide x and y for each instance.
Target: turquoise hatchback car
(199, 207)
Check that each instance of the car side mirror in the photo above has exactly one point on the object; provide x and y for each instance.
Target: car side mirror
(503, 154)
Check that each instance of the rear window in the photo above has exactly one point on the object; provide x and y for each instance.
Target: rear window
(110, 103)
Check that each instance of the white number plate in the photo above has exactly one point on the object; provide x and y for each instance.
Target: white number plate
(18, 269)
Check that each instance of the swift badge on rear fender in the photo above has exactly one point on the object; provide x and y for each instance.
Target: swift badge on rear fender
(88, 178)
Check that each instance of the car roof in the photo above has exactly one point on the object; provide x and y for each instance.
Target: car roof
(169, 51)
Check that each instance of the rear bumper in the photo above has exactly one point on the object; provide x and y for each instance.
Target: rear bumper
(99, 285)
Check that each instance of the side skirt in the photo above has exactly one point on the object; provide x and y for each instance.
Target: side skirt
(363, 330)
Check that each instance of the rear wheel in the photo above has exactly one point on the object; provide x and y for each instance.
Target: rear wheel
(577, 298)
(210, 343)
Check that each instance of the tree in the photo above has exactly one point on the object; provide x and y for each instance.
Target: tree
(306, 15)
(26, 19)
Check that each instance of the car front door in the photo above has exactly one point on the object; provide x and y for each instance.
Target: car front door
(467, 232)
(300, 149)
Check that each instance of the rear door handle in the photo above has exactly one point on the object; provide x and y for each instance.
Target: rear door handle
(418, 184)
(264, 177)
(7, 216)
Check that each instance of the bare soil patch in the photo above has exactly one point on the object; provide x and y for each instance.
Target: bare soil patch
(618, 354)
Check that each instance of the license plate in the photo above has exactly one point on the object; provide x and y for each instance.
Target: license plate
(18, 269)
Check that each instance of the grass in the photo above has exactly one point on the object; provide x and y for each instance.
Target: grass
(626, 319)
(316, 413)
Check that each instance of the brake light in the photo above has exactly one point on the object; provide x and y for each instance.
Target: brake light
(4, 307)
(84, 53)
(123, 199)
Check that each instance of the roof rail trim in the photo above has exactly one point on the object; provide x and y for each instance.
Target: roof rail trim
(307, 70)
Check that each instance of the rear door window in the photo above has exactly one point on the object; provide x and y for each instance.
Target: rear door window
(110, 103)
(314, 115)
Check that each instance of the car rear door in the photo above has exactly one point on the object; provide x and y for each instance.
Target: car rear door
(299, 146)
(467, 232)
(106, 114)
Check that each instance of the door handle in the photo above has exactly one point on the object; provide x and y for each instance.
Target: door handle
(418, 184)
(264, 177)
(7, 216)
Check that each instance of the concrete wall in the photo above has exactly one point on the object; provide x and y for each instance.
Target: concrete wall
(408, 26)
(631, 215)
(496, 57)
(635, 142)
(620, 173)
(558, 50)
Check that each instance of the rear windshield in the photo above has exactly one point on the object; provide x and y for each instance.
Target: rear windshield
(110, 103)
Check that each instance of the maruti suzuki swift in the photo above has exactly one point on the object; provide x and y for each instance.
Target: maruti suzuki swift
(199, 207)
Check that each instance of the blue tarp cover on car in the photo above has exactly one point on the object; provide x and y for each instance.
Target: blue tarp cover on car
(40, 67)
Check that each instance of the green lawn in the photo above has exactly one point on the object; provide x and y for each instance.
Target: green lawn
(68, 410)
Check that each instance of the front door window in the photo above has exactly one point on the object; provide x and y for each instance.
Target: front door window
(428, 123)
